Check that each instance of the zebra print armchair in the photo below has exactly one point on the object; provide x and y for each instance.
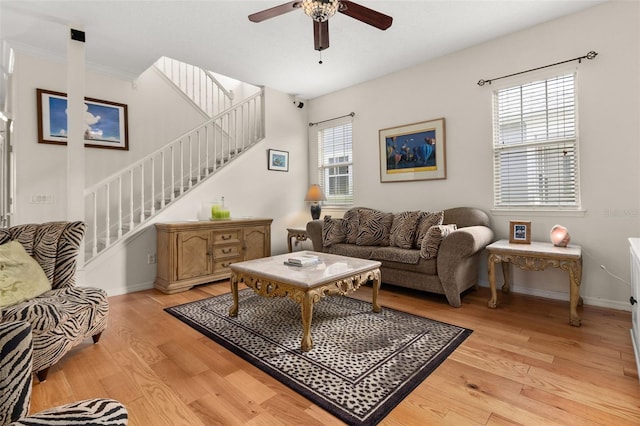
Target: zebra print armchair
(64, 316)
(16, 350)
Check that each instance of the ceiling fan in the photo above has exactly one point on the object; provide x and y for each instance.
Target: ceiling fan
(320, 11)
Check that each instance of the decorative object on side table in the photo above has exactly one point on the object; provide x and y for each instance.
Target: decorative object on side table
(519, 232)
(219, 211)
(315, 195)
(560, 236)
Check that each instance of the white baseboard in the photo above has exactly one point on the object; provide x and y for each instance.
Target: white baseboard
(590, 301)
(117, 291)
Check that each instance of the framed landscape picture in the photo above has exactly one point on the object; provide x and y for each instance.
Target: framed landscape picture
(278, 160)
(105, 122)
(413, 152)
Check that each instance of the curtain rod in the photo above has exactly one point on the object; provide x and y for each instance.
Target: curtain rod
(351, 114)
(589, 55)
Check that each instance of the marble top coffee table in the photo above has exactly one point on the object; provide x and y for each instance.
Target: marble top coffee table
(334, 275)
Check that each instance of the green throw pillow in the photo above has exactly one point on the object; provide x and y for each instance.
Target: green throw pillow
(21, 277)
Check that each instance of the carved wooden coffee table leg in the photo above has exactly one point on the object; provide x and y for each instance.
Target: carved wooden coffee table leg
(376, 288)
(233, 310)
(307, 314)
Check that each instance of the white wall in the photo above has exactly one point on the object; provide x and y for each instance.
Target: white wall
(446, 87)
(157, 114)
(248, 188)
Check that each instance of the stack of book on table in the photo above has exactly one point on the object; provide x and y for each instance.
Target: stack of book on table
(302, 260)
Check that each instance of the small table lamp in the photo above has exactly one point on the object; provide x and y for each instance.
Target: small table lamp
(314, 194)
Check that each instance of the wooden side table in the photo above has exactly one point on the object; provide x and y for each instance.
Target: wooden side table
(536, 257)
(300, 234)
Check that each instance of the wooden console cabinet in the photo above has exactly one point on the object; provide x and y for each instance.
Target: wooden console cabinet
(191, 253)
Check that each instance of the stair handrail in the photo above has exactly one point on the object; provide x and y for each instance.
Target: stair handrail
(166, 67)
(144, 159)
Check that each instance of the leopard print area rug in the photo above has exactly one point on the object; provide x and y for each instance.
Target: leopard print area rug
(362, 363)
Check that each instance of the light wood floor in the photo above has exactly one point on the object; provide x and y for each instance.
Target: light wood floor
(523, 364)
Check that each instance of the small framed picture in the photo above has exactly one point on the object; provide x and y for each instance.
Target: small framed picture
(519, 232)
(278, 160)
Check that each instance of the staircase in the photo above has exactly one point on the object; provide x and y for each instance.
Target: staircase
(122, 203)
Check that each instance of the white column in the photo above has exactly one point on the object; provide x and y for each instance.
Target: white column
(75, 135)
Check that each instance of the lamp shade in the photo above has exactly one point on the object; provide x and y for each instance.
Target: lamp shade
(315, 193)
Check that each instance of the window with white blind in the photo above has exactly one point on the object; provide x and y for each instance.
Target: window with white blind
(535, 148)
(335, 164)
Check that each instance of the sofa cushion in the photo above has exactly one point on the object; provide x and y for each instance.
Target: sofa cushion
(351, 219)
(424, 266)
(403, 229)
(21, 277)
(374, 228)
(352, 250)
(396, 254)
(426, 221)
(431, 242)
(333, 231)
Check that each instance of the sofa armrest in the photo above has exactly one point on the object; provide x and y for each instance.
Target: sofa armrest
(455, 262)
(314, 232)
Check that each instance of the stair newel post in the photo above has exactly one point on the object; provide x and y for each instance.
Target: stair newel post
(214, 139)
(173, 175)
(107, 218)
(119, 206)
(206, 150)
(199, 165)
(190, 162)
(162, 196)
(153, 185)
(141, 192)
(131, 224)
(181, 167)
(94, 249)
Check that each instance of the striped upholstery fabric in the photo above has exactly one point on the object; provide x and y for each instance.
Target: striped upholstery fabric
(15, 357)
(63, 317)
(15, 389)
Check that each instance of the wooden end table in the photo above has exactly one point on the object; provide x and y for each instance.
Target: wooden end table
(300, 234)
(536, 257)
(334, 275)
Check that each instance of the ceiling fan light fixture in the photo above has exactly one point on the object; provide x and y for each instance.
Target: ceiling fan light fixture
(320, 10)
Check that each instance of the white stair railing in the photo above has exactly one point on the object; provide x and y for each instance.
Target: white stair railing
(118, 205)
(199, 85)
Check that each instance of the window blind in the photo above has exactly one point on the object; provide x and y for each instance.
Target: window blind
(535, 145)
(335, 164)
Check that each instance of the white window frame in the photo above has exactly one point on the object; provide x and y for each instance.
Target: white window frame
(533, 198)
(325, 167)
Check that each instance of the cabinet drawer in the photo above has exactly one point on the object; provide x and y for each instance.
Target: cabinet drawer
(227, 236)
(222, 265)
(220, 251)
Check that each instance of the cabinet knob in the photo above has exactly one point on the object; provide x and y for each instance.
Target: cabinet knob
(632, 301)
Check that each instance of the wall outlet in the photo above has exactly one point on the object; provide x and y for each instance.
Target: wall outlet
(151, 258)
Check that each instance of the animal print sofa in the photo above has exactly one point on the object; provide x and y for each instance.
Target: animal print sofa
(437, 252)
(64, 316)
(16, 354)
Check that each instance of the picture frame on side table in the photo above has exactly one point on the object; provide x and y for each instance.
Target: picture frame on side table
(413, 152)
(519, 232)
(278, 160)
(106, 123)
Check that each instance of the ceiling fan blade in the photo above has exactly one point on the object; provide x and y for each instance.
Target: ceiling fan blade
(274, 11)
(366, 15)
(321, 35)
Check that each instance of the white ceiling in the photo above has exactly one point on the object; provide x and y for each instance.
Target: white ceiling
(124, 37)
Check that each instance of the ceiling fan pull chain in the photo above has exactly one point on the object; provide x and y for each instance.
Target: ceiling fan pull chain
(320, 61)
